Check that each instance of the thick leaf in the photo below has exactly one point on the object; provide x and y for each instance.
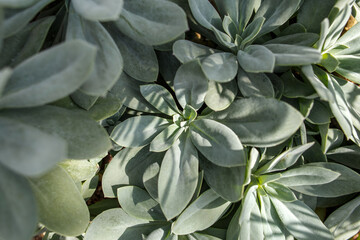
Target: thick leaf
(320, 113)
(152, 23)
(280, 192)
(165, 139)
(115, 224)
(346, 155)
(85, 138)
(94, 10)
(301, 39)
(108, 62)
(260, 122)
(139, 60)
(17, 208)
(300, 220)
(67, 67)
(18, 19)
(349, 67)
(307, 175)
(285, 159)
(220, 67)
(205, 14)
(138, 131)
(62, 209)
(27, 150)
(220, 95)
(162, 233)
(348, 182)
(228, 7)
(138, 203)
(17, 3)
(344, 222)
(160, 98)
(227, 182)
(276, 13)
(25, 43)
(178, 177)
(217, 143)
(80, 170)
(5, 75)
(190, 85)
(209, 206)
(251, 31)
(127, 168)
(127, 90)
(256, 58)
(186, 51)
(105, 107)
(254, 84)
(151, 179)
(292, 55)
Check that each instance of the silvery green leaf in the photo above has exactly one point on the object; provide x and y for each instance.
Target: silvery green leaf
(205, 14)
(351, 40)
(314, 11)
(64, 74)
(344, 222)
(5, 75)
(83, 100)
(139, 60)
(115, 224)
(230, 27)
(152, 22)
(160, 98)
(334, 138)
(291, 55)
(254, 84)
(342, 111)
(224, 39)
(220, 95)
(251, 31)
(324, 93)
(218, 143)
(18, 19)
(186, 51)
(127, 90)
(300, 220)
(220, 67)
(349, 67)
(61, 207)
(190, 85)
(15, 212)
(17, 3)
(246, 10)
(301, 39)
(285, 159)
(178, 177)
(108, 61)
(320, 113)
(260, 122)
(272, 225)
(138, 203)
(294, 88)
(162, 233)
(105, 107)
(329, 62)
(138, 131)
(348, 182)
(95, 10)
(228, 182)
(256, 59)
(346, 155)
(85, 138)
(165, 139)
(307, 175)
(151, 179)
(80, 170)
(201, 214)
(127, 168)
(279, 192)
(325, 24)
(229, 8)
(276, 13)
(26, 42)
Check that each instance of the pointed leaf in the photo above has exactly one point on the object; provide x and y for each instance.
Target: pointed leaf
(217, 143)
(165, 139)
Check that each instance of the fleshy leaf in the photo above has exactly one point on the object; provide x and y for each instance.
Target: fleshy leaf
(220, 67)
(256, 58)
(219, 96)
(255, 84)
(94, 10)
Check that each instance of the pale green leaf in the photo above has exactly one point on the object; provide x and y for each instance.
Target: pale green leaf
(186, 51)
(256, 59)
(346, 155)
(61, 207)
(220, 67)
(254, 84)
(209, 206)
(138, 131)
(94, 10)
(44, 78)
(17, 3)
(17, 208)
(220, 95)
(205, 14)
(178, 177)
(152, 22)
(165, 139)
